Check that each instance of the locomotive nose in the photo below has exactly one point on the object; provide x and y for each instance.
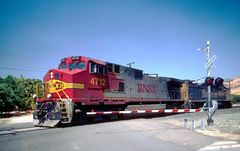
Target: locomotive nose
(52, 83)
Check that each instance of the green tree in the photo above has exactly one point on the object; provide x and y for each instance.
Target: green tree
(16, 93)
(8, 99)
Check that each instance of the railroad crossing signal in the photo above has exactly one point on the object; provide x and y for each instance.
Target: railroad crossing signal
(210, 62)
(218, 81)
(209, 80)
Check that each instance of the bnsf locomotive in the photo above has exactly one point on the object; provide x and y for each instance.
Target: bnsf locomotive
(82, 84)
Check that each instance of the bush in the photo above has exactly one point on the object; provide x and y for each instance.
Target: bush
(16, 93)
(236, 98)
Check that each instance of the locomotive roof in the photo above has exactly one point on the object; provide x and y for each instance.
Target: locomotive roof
(105, 63)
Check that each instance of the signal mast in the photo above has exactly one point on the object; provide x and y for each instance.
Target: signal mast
(209, 80)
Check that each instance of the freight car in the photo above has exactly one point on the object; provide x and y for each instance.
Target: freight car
(81, 84)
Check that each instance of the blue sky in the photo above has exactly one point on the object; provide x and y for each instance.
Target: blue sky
(159, 36)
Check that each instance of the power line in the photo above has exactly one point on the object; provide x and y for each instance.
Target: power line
(26, 64)
(25, 58)
(21, 69)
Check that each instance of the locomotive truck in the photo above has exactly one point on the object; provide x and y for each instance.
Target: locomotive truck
(81, 85)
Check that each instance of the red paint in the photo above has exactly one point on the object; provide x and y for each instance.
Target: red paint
(161, 111)
(146, 88)
(198, 110)
(175, 110)
(148, 111)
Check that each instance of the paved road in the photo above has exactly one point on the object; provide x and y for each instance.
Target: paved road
(127, 135)
(12, 126)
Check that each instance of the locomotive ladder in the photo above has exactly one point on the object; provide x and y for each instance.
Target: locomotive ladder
(63, 109)
(64, 113)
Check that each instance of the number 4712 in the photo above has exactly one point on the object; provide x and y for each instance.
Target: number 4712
(98, 82)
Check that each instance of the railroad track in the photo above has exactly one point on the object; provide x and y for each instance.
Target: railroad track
(113, 118)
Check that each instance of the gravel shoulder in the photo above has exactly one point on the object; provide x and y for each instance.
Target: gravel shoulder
(226, 123)
(17, 119)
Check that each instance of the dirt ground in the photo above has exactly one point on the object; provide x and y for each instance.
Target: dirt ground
(17, 119)
(226, 123)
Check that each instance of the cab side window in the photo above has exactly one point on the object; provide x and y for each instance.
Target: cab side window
(109, 67)
(97, 69)
(116, 69)
(101, 69)
(93, 68)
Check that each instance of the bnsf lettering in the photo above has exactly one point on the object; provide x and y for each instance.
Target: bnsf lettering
(147, 88)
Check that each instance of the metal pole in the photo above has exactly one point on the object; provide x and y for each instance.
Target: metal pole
(209, 102)
(209, 120)
(209, 87)
(209, 65)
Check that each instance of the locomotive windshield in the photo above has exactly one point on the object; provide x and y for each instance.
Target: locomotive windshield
(76, 65)
(62, 66)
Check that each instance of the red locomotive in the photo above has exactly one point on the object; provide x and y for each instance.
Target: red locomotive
(82, 84)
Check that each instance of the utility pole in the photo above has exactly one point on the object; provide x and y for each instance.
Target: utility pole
(209, 66)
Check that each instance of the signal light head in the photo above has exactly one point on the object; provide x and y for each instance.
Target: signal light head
(209, 81)
(218, 81)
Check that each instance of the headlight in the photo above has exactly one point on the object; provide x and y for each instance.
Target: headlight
(49, 96)
(51, 75)
(34, 96)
